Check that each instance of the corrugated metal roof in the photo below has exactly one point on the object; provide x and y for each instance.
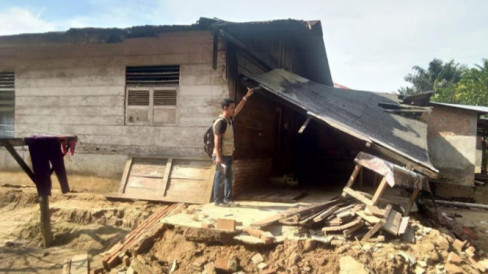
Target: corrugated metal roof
(479, 109)
(354, 112)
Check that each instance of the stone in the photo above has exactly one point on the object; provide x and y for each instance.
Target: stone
(130, 270)
(454, 258)
(470, 251)
(348, 265)
(336, 242)
(408, 257)
(308, 245)
(232, 264)
(442, 243)
(444, 254)
(210, 268)
(195, 217)
(427, 247)
(482, 267)
(419, 270)
(257, 259)
(458, 245)
(453, 269)
(433, 258)
(199, 262)
(226, 224)
(422, 264)
(262, 266)
(307, 269)
(366, 247)
(484, 262)
(126, 260)
(221, 263)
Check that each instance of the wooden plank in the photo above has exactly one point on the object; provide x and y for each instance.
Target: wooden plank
(403, 225)
(19, 160)
(207, 197)
(412, 199)
(47, 235)
(392, 222)
(150, 169)
(155, 188)
(185, 186)
(374, 210)
(143, 182)
(125, 175)
(189, 172)
(379, 191)
(326, 213)
(372, 231)
(167, 173)
(355, 172)
(357, 196)
(368, 218)
(292, 211)
(342, 227)
(349, 231)
(302, 128)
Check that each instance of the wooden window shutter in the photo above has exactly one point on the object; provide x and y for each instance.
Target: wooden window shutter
(7, 104)
(165, 97)
(138, 98)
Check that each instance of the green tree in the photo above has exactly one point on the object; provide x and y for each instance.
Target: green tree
(471, 89)
(438, 75)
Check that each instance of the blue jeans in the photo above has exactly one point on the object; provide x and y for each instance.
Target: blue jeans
(223, 178)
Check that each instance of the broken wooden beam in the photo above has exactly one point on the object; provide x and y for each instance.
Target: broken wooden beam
(342, 227)
(359, 196)
(325, 213)
(311, 209)
(372, 231)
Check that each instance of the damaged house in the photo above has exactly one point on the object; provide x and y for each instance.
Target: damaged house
(142, 98)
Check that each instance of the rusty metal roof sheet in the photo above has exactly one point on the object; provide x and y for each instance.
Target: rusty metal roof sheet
(354, 112)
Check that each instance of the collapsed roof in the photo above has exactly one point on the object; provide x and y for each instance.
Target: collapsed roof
(356, 113)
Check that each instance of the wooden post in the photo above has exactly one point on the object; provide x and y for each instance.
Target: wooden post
(45, 220)
(411, 201)
(379, 191)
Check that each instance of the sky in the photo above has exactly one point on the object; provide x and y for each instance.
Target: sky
(371, 45)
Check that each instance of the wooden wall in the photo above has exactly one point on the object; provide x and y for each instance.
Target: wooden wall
(80, 90)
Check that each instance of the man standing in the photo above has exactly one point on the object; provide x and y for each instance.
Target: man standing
(223, 129)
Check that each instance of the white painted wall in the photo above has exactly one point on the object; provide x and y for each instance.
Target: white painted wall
(80, 90)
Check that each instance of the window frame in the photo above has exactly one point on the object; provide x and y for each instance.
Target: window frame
(151, 107)
(8, 132)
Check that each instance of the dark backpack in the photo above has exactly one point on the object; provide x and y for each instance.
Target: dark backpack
(208, 140)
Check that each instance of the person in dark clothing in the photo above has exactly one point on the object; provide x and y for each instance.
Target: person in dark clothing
(223, 129)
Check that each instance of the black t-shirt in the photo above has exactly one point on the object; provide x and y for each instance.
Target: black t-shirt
(221, 126)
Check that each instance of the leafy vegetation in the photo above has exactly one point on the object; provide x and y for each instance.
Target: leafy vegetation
(451, 82)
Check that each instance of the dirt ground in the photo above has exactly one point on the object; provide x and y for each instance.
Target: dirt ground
(81, 223)
(88, 223)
